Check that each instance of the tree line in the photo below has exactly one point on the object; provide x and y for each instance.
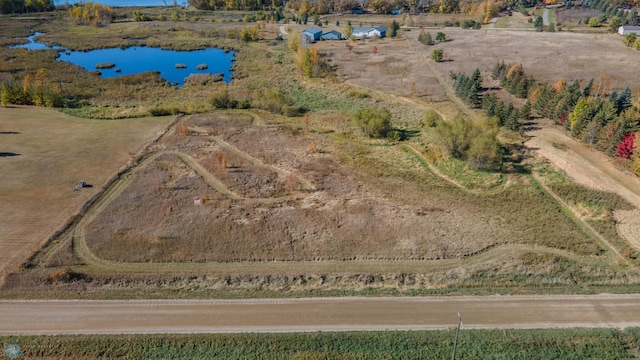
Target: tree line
(25, 6)
(483, 8)
(27, 92)
(604, 119)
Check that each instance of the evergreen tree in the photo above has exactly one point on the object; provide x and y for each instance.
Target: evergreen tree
(511, 118)
(613, 97)
(623, 101)
(394, 28)
(541, 103)
(537, 24)
(632, 17)
(605, 114)
(525, 111)
(587, 88)
(489, 105)
(498, 71)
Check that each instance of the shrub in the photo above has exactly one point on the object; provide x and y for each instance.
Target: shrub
(426, 38)
(394, 135)
(164, 111)
(485, 153)
(357, 95)
(291, 111)
(65, 275)
(374, 122)
(437, 55)
(221, 99)
(431, 118)
(625, 147)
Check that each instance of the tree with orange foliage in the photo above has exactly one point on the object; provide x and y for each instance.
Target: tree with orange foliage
(91, 14)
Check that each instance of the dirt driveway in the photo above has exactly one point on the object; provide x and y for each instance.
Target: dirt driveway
(592, 169)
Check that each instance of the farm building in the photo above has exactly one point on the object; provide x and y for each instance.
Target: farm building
(369, 32)
(628, 29)
(312, 34)
(331, 35)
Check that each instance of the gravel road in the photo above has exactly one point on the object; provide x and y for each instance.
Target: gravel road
(27, 317)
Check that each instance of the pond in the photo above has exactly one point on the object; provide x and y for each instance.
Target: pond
(173, 65)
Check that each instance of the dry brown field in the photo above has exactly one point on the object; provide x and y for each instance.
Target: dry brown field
(547, 57)
(251, 200)
(44, 155)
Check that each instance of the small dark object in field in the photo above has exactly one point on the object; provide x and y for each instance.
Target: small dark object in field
(82, 184)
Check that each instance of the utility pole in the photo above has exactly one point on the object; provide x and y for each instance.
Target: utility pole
(455, 342)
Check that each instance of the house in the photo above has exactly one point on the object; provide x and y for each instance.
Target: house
(312, 34)
(331, 35)
(628, 29)
(369, 32)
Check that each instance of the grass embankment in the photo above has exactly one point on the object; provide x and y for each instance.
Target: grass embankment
(472, 344)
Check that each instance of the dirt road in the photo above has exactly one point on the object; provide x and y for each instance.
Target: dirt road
(319, 314)
(592, 169)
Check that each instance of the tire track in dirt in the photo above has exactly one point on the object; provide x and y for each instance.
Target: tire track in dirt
(592, 169)
(448, 90)
(429, 167)
(84, 253)
(583, 165)
(586, 228)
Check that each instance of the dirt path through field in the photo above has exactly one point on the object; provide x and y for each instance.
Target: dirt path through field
(317, 314)
(51, 153)
(590, 168)
(545, 17)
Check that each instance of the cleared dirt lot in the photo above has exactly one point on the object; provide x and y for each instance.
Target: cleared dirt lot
(51, 153)
(274, 199)
(386, 65)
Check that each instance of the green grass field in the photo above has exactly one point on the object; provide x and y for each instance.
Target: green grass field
(562, 344)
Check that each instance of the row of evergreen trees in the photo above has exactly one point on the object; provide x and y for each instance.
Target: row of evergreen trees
(469, 88)
(611, 10)
(606, 121)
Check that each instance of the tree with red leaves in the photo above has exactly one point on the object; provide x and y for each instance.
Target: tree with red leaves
(625, 148)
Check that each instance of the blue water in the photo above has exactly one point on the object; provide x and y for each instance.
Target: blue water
(135, 60)
(115, 3)
(34, 45)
